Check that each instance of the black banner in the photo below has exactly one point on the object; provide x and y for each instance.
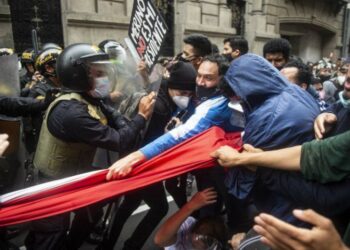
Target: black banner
(147, 31)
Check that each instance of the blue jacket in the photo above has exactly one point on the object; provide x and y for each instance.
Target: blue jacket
(212, 112)
(278, 114)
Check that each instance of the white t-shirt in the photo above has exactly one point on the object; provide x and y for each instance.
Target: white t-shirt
(183, 239)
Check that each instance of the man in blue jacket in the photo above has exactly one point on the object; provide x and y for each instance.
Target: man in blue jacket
(212, 110)
(279, 115)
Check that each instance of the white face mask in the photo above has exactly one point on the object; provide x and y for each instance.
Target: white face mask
(341, 80)
(235, 105)
(102, 85)
(181, 101)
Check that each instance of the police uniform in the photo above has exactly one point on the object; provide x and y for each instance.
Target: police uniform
(74, 125)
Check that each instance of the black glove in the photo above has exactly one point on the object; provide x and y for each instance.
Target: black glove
(115, 118)
(50, 96)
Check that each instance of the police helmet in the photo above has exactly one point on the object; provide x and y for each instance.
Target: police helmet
(28, 56)
(47, 57)
(6, 51)
(51, 46)
(114, 49)
(73, 66)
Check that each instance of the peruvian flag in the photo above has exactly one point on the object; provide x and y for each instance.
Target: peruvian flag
(74, 192)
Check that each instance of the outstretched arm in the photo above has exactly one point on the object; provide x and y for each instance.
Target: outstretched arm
(285, 159)
(167, 233)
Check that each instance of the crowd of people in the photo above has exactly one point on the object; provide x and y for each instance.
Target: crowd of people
(283, 190)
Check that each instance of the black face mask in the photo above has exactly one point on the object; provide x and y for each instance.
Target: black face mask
(228, 57)
(204, 94)
(325, 77)
(181, 59)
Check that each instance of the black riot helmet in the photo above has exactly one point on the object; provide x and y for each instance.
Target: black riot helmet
(47, 57)
(51, 46)
(28, 56)
(73, 66)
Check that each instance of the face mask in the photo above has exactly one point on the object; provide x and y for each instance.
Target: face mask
(325, 77)
(204, 94)
(228, 57)
(102, 87)
(181, 59)
(345, 102)
(321, 94)
(236, 105)
(181, 101)
(341, 80)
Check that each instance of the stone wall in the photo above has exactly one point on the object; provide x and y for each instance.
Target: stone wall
(92, 21)
(96, 20)
(6, 39)
(312, 26)
(208, 17)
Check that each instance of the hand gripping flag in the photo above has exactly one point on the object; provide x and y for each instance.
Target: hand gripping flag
(74, 192)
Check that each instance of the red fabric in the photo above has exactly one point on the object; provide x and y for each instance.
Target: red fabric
(187, 156)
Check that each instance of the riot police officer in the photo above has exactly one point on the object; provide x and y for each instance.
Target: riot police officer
(75, 124)
(45, 64)
(27, 60)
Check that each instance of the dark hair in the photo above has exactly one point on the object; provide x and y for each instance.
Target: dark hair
(304, 74)
(238, 42)
(278, 45)
(214, 49)
(200, 44)
(220, 60)
(213, 227)
(316, 80)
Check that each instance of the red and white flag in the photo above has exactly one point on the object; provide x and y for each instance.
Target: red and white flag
(74, 192)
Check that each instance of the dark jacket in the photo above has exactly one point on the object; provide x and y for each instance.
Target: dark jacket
(20, 106)
(278, 114)
(164, 108)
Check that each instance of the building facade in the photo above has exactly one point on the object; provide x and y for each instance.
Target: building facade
(315, 28)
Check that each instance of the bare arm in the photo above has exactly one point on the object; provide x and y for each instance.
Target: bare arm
(167, 233)
(285, 159)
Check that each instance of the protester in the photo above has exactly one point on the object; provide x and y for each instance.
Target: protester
(4, 143)
(196, 47)
(182, 231)
(280, 235)
(298, 73)
(234, 47)
(174, 95)
(277, 52)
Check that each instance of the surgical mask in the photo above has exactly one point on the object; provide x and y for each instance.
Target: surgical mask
(102, 87)
(345, 102)
(236, 105)
(181, 101)
(341, 80)
(204, 94)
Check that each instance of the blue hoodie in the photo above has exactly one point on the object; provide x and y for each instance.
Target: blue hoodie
(278, 114)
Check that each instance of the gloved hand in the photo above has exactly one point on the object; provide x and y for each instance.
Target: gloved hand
(115, 118)
(50, 96)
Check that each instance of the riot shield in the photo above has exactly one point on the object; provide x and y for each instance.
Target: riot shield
(9, 86)
(9, 76)
(130, 82)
